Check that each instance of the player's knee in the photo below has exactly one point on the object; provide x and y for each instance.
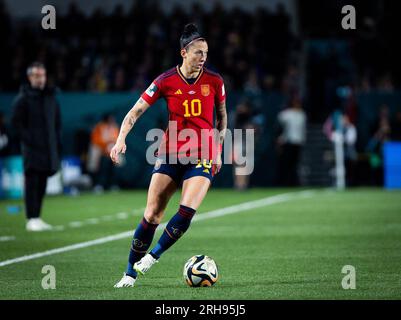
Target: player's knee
(153, 214)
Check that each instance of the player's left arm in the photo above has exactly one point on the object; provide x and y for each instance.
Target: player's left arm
(221, 120)
(221, 126)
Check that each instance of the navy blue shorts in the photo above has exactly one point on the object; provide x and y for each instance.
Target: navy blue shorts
(180, 172)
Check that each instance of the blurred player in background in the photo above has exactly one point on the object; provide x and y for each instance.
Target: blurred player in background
(36, 119)
(293, 123)
(191, 92)
(103, 137)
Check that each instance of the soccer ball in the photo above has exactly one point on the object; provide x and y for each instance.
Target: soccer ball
(200, 271)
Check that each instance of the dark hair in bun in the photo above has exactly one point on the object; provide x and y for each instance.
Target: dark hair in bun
(190, 34)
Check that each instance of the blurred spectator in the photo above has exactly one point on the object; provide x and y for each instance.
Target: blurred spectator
(251, 86)
(383, 120)
(103, 137)
(269, 82)
(98, 82)
(293, 124)
(365, 85)
(92, 52)
(350, 105)
(350, 155)
(375, 146)
(4, 137)
(36, 118)
(5, 36)
(341, 123)
(386, 84)
(291, 84)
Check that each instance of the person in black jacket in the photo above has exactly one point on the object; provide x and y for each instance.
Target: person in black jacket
(4, 137)
(36, 118)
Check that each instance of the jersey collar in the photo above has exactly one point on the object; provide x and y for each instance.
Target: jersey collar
(184, 79)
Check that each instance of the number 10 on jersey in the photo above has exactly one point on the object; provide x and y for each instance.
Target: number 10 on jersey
(194, 110)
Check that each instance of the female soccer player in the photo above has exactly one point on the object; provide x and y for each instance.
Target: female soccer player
(191, 92)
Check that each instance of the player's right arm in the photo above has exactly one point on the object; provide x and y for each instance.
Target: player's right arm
(128, 123)
(147, 98)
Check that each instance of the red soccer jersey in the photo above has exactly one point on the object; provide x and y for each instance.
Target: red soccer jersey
(190, 106)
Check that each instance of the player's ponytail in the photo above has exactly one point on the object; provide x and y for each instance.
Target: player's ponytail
(189, 35)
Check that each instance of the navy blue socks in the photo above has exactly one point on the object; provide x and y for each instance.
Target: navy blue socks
(174, 230)
(141, 242)
(145, 231)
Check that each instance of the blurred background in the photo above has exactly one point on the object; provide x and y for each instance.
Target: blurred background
(325, 102)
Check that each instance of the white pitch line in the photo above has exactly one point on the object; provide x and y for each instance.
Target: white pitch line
(138, 211)
(122, 215)
(7, 238)
(254, 204)
(92, 221)
(207, 215)
(75, 224)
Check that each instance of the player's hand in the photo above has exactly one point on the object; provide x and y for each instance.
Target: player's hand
(219, 162)
(118, 148)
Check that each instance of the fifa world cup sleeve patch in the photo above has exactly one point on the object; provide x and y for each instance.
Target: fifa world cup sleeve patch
(152, 93)
(221, 93)
(151, 90)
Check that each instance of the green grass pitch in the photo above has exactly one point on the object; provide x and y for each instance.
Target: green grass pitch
(290, 250)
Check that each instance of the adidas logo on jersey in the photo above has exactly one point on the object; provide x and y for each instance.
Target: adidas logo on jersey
(178, 92)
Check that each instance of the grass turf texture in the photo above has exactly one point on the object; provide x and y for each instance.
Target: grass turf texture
(291, 250)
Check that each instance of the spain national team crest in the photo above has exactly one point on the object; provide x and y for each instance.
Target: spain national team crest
(205, 90)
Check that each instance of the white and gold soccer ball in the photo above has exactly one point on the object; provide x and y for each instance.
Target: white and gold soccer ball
(200, 271)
